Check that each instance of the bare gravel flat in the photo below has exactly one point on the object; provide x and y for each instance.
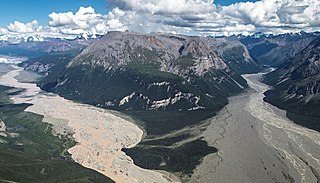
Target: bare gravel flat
(100, 134)
(255, 140)
(257, 143)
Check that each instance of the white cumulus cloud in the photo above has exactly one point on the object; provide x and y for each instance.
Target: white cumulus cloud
(197, 17)
(19, 27)
(3, 30)
(60, 19)
(275, 15)
(203, 17)
(164, 6)
(85, 20)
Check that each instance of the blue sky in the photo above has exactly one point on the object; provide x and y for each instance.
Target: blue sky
(196, 17)
(228, 2)
(28, 10)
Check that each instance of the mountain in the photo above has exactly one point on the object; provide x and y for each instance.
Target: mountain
(236, 55)
(171, 83)
(33, 49)
(131, 71)
(166, 82)
(274, 50)
(297, 86)
(46, 63)
(46, 56)
(18, 38)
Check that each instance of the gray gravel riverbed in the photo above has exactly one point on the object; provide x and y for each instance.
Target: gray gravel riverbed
(257, 143)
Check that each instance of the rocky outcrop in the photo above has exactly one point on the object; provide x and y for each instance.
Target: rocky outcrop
(297, 84)
(2, 126)
(170, 53)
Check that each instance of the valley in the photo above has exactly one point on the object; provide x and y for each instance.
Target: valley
(100, 134)
(174, 108)
(30, 150)
(160, 91)
(256, 142)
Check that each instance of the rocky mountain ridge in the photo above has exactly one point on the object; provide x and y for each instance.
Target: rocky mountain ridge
(118, 49)
(274, 50)
(124, 47)
(297, 85)
(165, 70)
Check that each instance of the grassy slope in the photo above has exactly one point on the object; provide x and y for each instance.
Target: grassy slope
(42, 157)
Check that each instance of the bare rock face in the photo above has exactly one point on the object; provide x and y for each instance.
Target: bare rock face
(39, 67)
(304, 71)
(133, 71)
(2, 132)
(297, 84)
(2, 126)
(236, 55)
(171, 53)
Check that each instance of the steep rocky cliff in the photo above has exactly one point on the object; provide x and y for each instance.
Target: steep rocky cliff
(236, 55)
(297, 86)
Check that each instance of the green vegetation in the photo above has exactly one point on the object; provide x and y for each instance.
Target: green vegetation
(305, 114)
(57, 61)
(32, 153)
(181, 159)
(185, 61)
(301, 112)
(236, 60)
(140, 78)
(150, 73)
(163, 122)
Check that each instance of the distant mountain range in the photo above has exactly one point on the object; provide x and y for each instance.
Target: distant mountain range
(35, 48)
(274, 50)
(23, 38)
